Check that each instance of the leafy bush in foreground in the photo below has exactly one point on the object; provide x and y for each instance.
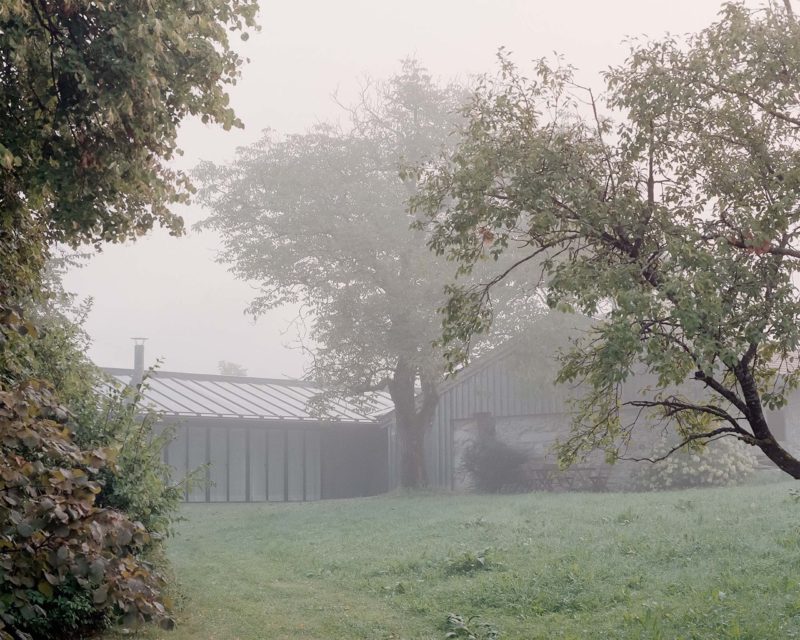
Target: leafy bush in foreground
(101, 411)
(59, 551)
(105, 442)
(138, 483)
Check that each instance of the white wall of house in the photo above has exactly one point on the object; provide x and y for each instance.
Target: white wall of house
(536, 435)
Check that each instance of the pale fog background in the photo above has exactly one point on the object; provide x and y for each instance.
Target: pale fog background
(190, 308)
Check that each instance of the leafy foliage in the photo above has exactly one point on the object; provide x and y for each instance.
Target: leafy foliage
(91, 96)
(138, 483)
(53, 533)
(119, 470)
(102, 412)
(57, 351)
(320, 219)
(673, 220)
(70, 613)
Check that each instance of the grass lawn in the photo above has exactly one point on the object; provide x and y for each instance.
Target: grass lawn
(698, 564)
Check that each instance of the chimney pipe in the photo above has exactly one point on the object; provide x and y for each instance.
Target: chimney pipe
(138, 361)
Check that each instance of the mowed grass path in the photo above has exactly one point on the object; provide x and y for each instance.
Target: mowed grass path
(699, 564)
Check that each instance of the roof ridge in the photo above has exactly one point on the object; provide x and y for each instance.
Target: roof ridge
(159, 373)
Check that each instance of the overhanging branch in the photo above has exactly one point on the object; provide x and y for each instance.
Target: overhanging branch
(722, 431)
(673, 406)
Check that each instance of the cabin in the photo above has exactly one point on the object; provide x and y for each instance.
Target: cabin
(509, 394)
(261, 439)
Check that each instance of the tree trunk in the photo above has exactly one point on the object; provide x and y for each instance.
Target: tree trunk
(411, 440)
(783, 459)
(413, 418)
(762, 435)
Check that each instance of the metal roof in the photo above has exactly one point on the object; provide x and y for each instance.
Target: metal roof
(217, 396)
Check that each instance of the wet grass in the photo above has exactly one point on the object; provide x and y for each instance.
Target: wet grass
(699, 564)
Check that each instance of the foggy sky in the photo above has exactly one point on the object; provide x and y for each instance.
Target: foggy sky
(190, 308)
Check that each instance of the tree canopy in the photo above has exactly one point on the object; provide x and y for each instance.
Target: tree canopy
(668, 208)
(91, 96)
(320, 219)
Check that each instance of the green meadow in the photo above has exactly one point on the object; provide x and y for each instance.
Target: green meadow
(696, 564)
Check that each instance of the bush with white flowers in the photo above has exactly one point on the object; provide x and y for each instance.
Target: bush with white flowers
(722, 462)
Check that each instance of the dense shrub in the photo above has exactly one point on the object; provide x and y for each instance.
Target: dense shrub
(722, 462)
(84, 497)
(69, 613)
(102, 412)
(494, 466)
(138, 483)
(59, 551)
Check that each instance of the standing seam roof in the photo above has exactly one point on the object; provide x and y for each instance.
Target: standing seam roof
(205, 395)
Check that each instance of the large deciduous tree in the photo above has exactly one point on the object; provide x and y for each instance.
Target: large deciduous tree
(320, 219)
(671, 209)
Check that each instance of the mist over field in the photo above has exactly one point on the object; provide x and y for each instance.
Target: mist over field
(192, 310)
(399, 320)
